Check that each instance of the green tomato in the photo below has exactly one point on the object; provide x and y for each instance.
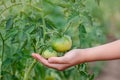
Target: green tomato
(62, 44)
(47, 54)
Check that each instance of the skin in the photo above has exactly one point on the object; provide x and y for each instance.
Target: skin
(109, 51)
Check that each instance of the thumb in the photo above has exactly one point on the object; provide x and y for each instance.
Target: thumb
(57, 60)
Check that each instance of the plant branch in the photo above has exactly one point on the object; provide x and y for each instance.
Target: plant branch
(2, 51)
(68, 26)
(27, 73)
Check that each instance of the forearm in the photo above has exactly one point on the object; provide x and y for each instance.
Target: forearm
(108, 51)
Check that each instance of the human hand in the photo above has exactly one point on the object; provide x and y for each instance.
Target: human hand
(71, 58)
(108, 51)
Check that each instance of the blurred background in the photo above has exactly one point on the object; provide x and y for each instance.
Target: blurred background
(109, 14)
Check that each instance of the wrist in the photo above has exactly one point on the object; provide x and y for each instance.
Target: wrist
(93, 54)
(82, 57)
(86, 55)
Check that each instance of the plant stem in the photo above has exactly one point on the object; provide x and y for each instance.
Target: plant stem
(68, 26)
(27, 73)
(44, 24)
(37, 8)
(2, 45)
(2, 52)
(44, 29)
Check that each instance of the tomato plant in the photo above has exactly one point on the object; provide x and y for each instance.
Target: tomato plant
(28, 26)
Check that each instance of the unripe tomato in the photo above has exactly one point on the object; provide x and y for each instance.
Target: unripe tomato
(47, 54)
(62, 44)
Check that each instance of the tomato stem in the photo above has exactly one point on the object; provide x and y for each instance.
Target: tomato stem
(44, 29)
(27, 73)
(68, 26)
(2, 51)
(44, 24)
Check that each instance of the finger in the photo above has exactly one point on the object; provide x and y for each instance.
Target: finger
(50, 65)
(45, 62)
(40, 59)
(57, 60)
(33, 55)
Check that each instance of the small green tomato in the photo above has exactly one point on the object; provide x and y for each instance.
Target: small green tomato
(47, 54)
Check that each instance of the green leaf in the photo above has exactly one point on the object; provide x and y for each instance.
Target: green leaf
(82, 28)
(82, 36)
(29, 28)
(21, 36)
(14, 77)
(84, 74)
(9, 23)
(11, 33)
(40, 69)
(91, 77)
(6, 75)
(23, 44)
(6, 64)
(40, 32)
(49, 24)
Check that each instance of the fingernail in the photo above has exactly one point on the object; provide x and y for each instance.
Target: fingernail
(32, 54)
